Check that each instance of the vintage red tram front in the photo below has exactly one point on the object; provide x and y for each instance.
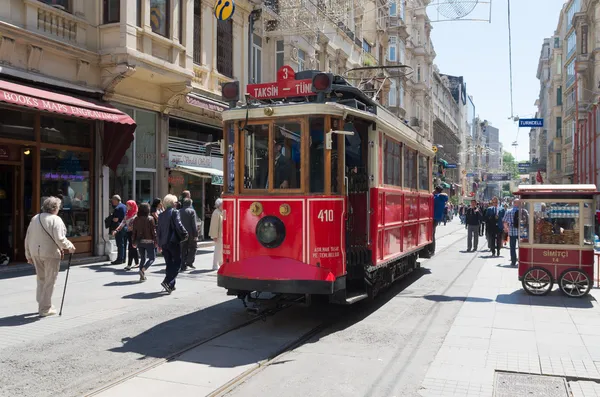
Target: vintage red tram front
(290, 244)
(283, 227)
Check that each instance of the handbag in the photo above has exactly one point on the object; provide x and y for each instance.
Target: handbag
(175, 232)
(62, 253)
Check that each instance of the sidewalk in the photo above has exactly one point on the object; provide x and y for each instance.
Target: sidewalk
(76, 261)
(501, 328)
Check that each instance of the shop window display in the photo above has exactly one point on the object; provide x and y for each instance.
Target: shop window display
(556, 223)
(66, 175)
(16, 125)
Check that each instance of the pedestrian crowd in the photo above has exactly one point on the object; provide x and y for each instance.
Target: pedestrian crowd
(141, 232)
(494, 219)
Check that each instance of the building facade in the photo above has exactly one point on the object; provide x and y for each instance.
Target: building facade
(153, 63)
(447, 131)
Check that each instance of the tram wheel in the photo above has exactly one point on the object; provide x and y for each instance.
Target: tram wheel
(537, 281)
(574, 283)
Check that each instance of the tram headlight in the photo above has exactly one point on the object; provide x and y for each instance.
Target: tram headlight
(270, 232)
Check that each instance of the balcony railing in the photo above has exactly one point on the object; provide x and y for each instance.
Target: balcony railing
(191, 146)
(56, 22)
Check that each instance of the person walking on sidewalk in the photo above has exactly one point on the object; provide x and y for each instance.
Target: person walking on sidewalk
(493, 218)
(189, 220)
(171, 234)
(45, 243)
(119, 212)
(127, 226)
(216, 233)
(439, 204)
(511, 226)
(473, 219)
(144, 238)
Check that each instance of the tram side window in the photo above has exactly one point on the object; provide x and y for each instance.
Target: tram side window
(424, 173)
(392, 161)
(316, 143)
(230, 178)
(256, 149)
(287, 155)
(556, 223)
(410, 168)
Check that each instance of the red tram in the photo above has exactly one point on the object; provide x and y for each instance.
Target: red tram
(325, 191)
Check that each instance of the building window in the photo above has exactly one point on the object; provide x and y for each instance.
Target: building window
(418, 73)
(393, 49)
(60, 4)
(401, 94)
(393, 8)
(392, 161)
(559, 96)
(301, 60)
(571, 12)
(418, 34)
(225, 47)
(559, 127)
(181, 19)
(393, 94)
(557, 42)
(424, 173)
(279, 54)
(198, 32)
(257, 60)
(571, 44)
(366, 46)
(111, 11)
(559, 161)
(558, 64)
(66, 174)
(570, 73)
(402, 9)
(160, 15)
(139, 13)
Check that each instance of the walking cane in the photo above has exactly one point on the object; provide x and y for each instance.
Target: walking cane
(65, 289)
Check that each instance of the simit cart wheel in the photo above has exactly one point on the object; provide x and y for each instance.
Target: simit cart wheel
(537, 281)
(574, 283)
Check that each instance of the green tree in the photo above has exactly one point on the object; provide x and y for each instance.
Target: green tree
(509, 164)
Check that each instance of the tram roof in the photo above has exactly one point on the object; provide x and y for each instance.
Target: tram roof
(528, 190)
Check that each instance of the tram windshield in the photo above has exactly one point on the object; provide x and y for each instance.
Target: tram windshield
(292, 149)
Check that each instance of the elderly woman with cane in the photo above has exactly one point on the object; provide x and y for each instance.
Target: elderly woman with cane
(45, 243)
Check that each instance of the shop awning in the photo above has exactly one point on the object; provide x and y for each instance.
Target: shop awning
(198, 171)
(119, 128)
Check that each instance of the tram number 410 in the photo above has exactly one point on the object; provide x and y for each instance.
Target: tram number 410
(325, 215)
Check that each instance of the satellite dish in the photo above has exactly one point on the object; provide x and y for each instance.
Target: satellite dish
(456, 9)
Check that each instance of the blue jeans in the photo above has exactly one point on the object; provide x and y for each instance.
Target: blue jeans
(513, 250)
(172, 254)
(146, 249)
(121, 240)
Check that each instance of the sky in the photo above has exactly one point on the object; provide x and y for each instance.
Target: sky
(478, 51)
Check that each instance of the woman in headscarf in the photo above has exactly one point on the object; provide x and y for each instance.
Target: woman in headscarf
(127, 224)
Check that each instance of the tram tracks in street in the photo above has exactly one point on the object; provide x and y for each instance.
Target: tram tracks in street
(280, 352)
(256, 318)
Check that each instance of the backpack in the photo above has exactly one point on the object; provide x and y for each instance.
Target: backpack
(516, 218)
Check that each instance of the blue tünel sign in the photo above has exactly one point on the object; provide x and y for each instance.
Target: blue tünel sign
(531, 122)
(451, 165)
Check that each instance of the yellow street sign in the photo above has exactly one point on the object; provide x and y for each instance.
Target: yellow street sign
(434, 149)
(464, 172)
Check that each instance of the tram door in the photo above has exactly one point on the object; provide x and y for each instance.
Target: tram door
(357, 178)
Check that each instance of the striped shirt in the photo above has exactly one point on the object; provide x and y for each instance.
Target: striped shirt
(513, 230)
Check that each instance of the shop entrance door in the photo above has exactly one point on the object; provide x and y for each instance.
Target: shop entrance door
(11, 235)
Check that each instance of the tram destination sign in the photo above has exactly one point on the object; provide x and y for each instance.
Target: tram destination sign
(286, 86)
(531, 122)
(496, 177)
